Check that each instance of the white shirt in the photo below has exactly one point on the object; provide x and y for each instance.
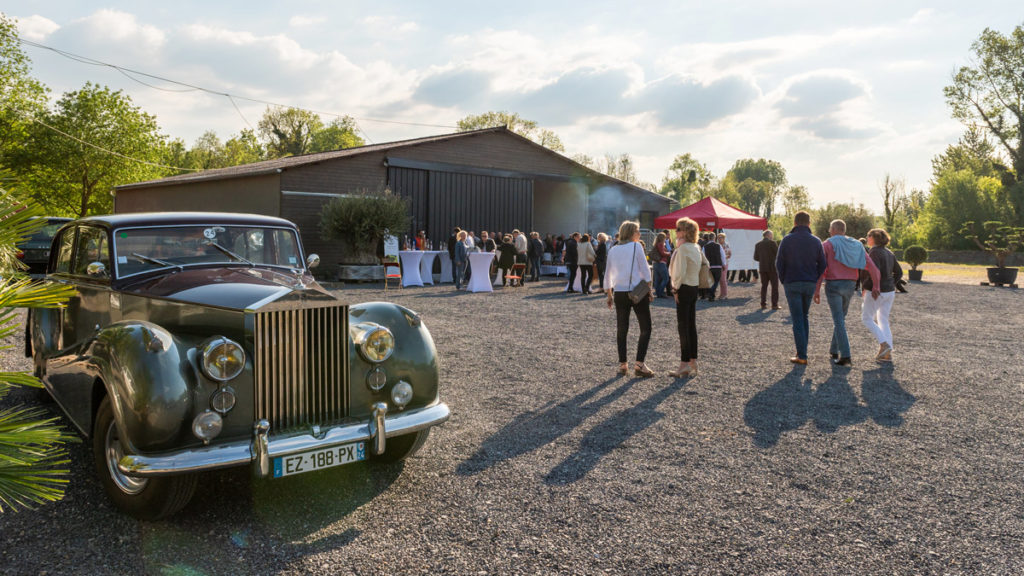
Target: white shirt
(625, 259)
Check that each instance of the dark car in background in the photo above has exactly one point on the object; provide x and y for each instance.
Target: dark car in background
(35, 252)
(198, 341)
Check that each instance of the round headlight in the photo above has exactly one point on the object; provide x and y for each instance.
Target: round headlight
(223, 400)
(377, 344)
(401, 393)
(223, 359)
(207, 426)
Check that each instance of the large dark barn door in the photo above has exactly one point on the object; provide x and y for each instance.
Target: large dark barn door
(478, 202)
(439, 201)
(412, 185)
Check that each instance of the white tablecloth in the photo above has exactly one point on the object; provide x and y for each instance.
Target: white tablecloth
(427, 266)
(576, 283)
(480, 262)
(446, 268)
(549, 269)
(411, 267)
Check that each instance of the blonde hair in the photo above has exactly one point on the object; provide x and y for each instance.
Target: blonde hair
(627, 230)
(602, 237)
(461, 236)
(689, 229)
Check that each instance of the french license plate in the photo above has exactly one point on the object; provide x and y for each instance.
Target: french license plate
(319, 459)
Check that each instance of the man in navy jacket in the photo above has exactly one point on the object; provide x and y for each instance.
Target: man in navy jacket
(800, 262)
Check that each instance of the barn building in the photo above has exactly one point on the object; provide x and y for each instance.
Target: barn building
(490, 179)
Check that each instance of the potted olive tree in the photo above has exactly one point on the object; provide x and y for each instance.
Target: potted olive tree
(359, 221)
(915, 256)
(1000, 241)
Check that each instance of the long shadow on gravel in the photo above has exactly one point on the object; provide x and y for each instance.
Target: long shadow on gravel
(792, 401)
(534, 429)
(610, 434)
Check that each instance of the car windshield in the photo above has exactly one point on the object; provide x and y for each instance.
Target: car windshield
(47, 232)
(143, 249)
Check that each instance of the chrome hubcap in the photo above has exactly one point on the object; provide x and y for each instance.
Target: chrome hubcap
(126, 484)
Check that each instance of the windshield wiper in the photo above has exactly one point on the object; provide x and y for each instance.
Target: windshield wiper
(150, 260)
(228, 253)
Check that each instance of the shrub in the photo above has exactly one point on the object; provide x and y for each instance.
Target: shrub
(998, 239)
(360, 220)
(915, 255)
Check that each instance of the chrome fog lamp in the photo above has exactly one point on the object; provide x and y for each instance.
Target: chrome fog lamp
(401, 393)
(223, 400)
(376, 379)
(223, 359)
(207, 426)
(375, 342)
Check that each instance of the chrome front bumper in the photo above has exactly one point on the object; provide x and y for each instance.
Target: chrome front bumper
(261, 451)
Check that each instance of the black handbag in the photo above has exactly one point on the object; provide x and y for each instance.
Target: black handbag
(642, 290)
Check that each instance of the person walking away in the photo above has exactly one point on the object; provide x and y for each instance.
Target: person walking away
(506, 258)
(659, 261)
(765, 252)
(844, 258)
(716, 259)
(534, 253)
(460, 259)
(684, 270)
(601, 257)
(800, 262)
(586, 255)
(451, 246)
(875, 311)
(571, 257)
(627, 267)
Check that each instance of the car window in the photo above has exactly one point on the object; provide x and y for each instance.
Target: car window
(143, 249)
(47, 232)
(67, 243)
(92, 247)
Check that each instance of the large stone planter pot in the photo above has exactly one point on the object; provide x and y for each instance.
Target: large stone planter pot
(1002, 275)
(915, 275)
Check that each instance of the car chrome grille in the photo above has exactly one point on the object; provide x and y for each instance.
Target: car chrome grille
(301, 367)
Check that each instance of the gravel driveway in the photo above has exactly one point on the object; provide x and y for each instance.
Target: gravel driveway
(553, 465)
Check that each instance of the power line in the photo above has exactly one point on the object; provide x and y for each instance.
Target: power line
(127, 72)
(107, 151)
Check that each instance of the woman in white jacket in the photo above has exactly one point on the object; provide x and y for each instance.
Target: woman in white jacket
(626, 267)
(684, 269)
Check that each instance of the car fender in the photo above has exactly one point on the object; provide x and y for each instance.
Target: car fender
(414, 359)
(149, 379)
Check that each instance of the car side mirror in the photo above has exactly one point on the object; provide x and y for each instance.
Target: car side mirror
(96, 270)
(312, 261)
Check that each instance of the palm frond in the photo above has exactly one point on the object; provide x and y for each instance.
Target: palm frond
(33, 463)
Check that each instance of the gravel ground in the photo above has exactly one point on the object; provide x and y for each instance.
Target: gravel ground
(553, 465)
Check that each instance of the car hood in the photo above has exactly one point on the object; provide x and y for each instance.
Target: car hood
(237, 288)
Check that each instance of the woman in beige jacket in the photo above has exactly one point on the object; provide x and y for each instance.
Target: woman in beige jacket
(684, 270)
(585, 259)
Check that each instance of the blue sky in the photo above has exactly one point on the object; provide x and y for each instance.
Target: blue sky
(839, 93)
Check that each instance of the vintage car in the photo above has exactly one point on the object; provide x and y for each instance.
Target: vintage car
(199, 341)
(35, 251)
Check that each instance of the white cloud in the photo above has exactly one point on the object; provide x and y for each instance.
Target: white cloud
(116, 27)
(299, 21)
(36, 28)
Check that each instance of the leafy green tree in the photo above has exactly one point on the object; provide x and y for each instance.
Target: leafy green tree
(794, 199)
(687, 180)
(512, 121)
(361, 219)
(991, 92)
(33, 463)
(753, 195)
(21, 95)
(770, 172)
(858, 219)
(94, 139)
(972, 152)
(293, 132)
(958, 196)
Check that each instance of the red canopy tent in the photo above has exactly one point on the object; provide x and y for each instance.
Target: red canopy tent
(711, 213)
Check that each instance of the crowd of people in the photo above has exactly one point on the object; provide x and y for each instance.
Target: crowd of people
(688, 265)
(803, 263)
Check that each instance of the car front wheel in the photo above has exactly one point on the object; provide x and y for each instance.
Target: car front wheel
(143, 498)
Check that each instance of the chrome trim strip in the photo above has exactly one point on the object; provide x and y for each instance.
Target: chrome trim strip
(240, 453)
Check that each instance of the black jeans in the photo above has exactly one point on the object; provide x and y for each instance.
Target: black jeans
(571, 267)
(535, 268)
(769, 277)
(600, 273)
(716, 279)
(586, 276)
(686, 320)
(643, 316)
